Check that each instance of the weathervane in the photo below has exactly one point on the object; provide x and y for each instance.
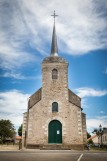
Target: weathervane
(54, 15)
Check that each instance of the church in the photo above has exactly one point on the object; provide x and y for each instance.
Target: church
(54, 117)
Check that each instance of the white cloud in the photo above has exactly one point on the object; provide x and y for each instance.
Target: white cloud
(13, 37)
(90, 92)
(80, 29)
(95, 122)
(84, 104)
(12, 57)
(12, 106)
(14, 75)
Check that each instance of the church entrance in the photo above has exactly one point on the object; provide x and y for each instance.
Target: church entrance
(55, 132)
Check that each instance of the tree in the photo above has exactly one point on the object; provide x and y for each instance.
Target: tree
(20, 130)
(90, 140)
(99, 132)
(88, 135)
(6, 130)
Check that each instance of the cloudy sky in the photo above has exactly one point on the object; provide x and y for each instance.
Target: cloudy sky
(25, 39)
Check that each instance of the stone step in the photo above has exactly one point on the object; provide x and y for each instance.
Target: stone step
(54, 147)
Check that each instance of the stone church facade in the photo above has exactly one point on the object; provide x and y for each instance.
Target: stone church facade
(54, 118)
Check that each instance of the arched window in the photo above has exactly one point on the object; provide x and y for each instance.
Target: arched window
(54, 107)
(54, 74)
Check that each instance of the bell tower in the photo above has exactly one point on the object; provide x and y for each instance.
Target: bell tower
(54, 72)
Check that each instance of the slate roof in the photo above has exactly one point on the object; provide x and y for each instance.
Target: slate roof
(74, 99)
(35, 98)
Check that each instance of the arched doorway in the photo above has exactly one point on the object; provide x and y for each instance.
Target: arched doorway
(55, 132)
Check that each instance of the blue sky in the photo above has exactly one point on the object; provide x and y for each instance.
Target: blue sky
(25, 39)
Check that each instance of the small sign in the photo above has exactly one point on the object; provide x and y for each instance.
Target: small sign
(58, 132)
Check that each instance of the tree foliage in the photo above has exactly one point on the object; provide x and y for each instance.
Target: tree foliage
(6, 130)
(90, 140)
(20, 130)
(88, 135)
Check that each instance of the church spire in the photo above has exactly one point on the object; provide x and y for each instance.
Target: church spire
(54, 47)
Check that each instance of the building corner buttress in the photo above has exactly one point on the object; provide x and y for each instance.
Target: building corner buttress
(25, 127)
(84, 129)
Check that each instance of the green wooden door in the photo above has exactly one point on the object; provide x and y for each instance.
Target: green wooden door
(55, 132)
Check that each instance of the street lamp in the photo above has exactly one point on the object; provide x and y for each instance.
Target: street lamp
(101, 133)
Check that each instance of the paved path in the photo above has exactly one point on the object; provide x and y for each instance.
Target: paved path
(38, 155)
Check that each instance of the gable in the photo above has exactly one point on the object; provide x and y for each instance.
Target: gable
(74, 99)
(36, 97)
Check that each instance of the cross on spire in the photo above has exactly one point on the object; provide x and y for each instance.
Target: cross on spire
(54, 15)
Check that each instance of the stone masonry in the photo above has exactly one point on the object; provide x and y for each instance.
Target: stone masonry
(40, 113)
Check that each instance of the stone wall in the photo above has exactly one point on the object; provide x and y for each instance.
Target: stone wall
(40, 108)
(75, 124)
(40, 115)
